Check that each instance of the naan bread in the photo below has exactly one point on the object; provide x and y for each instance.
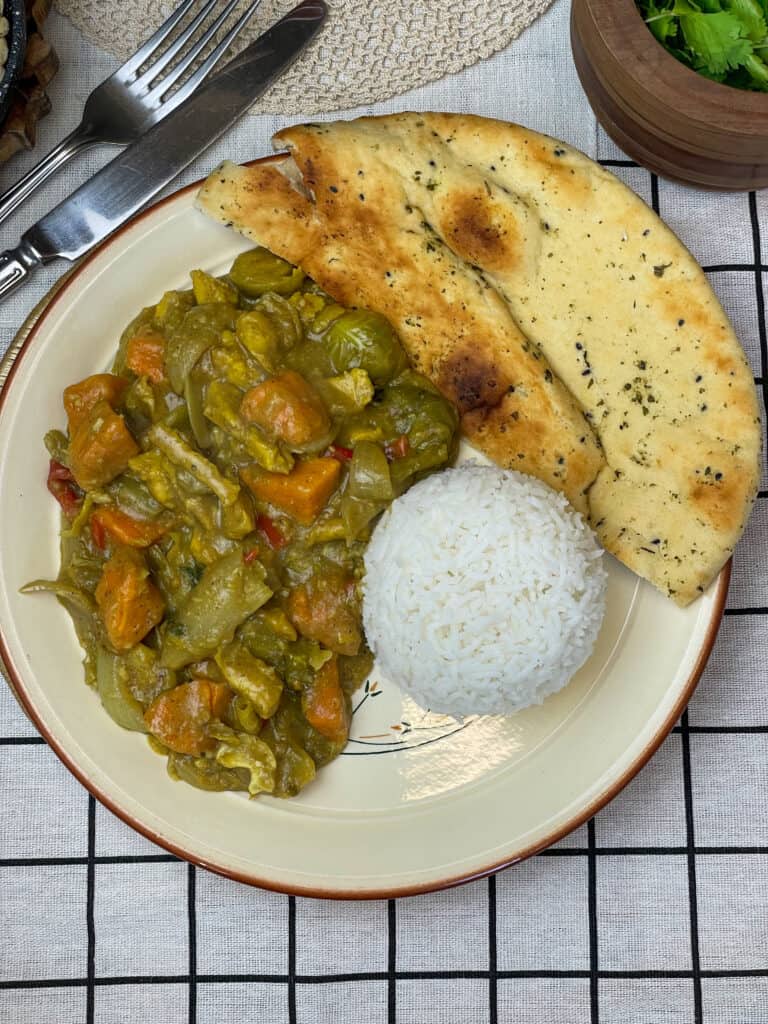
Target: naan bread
(577, 335)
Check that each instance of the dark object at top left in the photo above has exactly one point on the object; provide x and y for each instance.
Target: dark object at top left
(23, 96)
(16, 13)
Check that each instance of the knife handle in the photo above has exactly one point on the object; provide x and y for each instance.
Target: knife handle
(15, 267)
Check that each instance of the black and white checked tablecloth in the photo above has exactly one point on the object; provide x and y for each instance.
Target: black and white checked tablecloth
(655, 912)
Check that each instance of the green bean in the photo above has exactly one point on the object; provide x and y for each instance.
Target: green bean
(228, 592)
(158, 473)
(236, 520)
(358, 514)
(80, 566)
(174, 447)
(67, 592)
(193, 396)
(205, 509)
(118, 701)
(76, 526)
(132, 496)
(325, 530)
(85, 617)
(369, 478)
(57, 444)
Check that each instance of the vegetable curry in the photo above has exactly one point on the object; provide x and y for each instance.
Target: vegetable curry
(217, 491)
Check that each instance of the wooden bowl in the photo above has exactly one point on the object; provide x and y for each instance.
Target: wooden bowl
(664, 115)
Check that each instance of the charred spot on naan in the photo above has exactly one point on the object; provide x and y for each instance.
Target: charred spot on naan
(472, 380)
(479, 230)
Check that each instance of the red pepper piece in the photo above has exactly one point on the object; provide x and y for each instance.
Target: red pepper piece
(62, 486)
(340, 453)
(250, 555)
(271, 532)
(398, 449)
(98, 532)
(57, 471)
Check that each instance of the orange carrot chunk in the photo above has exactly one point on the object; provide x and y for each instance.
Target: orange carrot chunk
(145, 355)
(302, 493)
(129, 602)
(288, 408)
(324, 705)
(100, 447)
(179, 716)
(124, 529)
(80, 398)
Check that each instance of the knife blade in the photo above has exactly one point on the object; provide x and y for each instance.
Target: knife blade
(121, 188)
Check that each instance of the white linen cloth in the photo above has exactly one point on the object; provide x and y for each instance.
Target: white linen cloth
(657, 913)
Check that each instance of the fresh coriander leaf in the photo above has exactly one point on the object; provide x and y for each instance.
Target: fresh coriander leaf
(716, 40)
(750, 15)
(662, 24)
(722, 78)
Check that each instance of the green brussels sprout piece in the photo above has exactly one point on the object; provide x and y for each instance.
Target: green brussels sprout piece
(363, 340)
(259, 271)
(207, 289)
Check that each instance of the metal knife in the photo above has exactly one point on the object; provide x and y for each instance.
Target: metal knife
(120, 189)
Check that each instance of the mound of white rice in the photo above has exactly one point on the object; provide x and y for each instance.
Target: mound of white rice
(484, 591)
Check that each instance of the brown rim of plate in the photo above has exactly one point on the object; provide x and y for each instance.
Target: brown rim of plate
(8, 367)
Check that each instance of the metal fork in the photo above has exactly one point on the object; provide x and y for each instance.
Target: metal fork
(126, 104)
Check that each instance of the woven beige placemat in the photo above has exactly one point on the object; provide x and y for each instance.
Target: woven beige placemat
(366, 52)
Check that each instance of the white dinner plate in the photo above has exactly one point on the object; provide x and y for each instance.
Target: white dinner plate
(416, 801)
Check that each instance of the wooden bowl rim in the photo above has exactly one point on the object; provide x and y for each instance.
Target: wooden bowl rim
(620, 20)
